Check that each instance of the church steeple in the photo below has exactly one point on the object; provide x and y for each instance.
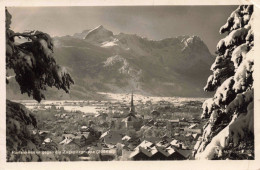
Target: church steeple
(132, 107)
(132, 99)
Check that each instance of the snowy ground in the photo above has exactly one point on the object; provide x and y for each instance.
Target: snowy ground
(138, 97)
(91, 106)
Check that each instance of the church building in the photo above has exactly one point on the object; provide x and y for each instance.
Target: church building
(131, 119)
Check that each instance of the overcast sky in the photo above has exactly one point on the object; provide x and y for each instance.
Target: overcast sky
(151, 22)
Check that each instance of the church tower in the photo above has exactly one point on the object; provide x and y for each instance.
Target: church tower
(132, 107)
(131, 121)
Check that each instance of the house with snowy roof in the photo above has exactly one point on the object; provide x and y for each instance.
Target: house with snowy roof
(192, 126)
(199, 131)
(173, 122)
(170, 153)
(151, 139)
(148, 151)
(80, 140)
(178, 144)
(47, 140)
(144, 153)
(111, 137)
(68, 136)
(163, 143)
(126, 138)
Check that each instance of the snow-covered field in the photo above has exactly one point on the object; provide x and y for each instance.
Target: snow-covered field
(68, 105)
(138, 97)
(91, 106)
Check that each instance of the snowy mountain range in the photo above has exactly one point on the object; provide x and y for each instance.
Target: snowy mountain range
(101, 61)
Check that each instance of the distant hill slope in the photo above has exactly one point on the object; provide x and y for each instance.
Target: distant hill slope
(99, 60)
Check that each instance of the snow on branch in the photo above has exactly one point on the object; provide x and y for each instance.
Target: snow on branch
(244, 123)
(216, 145)
(239, 54)
(237, 19)
(243, 76)
(224, 93)
(208, 106)
(241, 101)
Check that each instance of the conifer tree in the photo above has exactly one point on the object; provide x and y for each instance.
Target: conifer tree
(230, 111)
(35, 69)
(33, 62)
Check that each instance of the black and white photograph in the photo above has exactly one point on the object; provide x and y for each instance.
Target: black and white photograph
(129, 83)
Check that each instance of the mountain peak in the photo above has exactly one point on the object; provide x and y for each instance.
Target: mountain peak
(81, 35)
(99, 34)
(100, 27)
(193, 41)
(189, 38)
